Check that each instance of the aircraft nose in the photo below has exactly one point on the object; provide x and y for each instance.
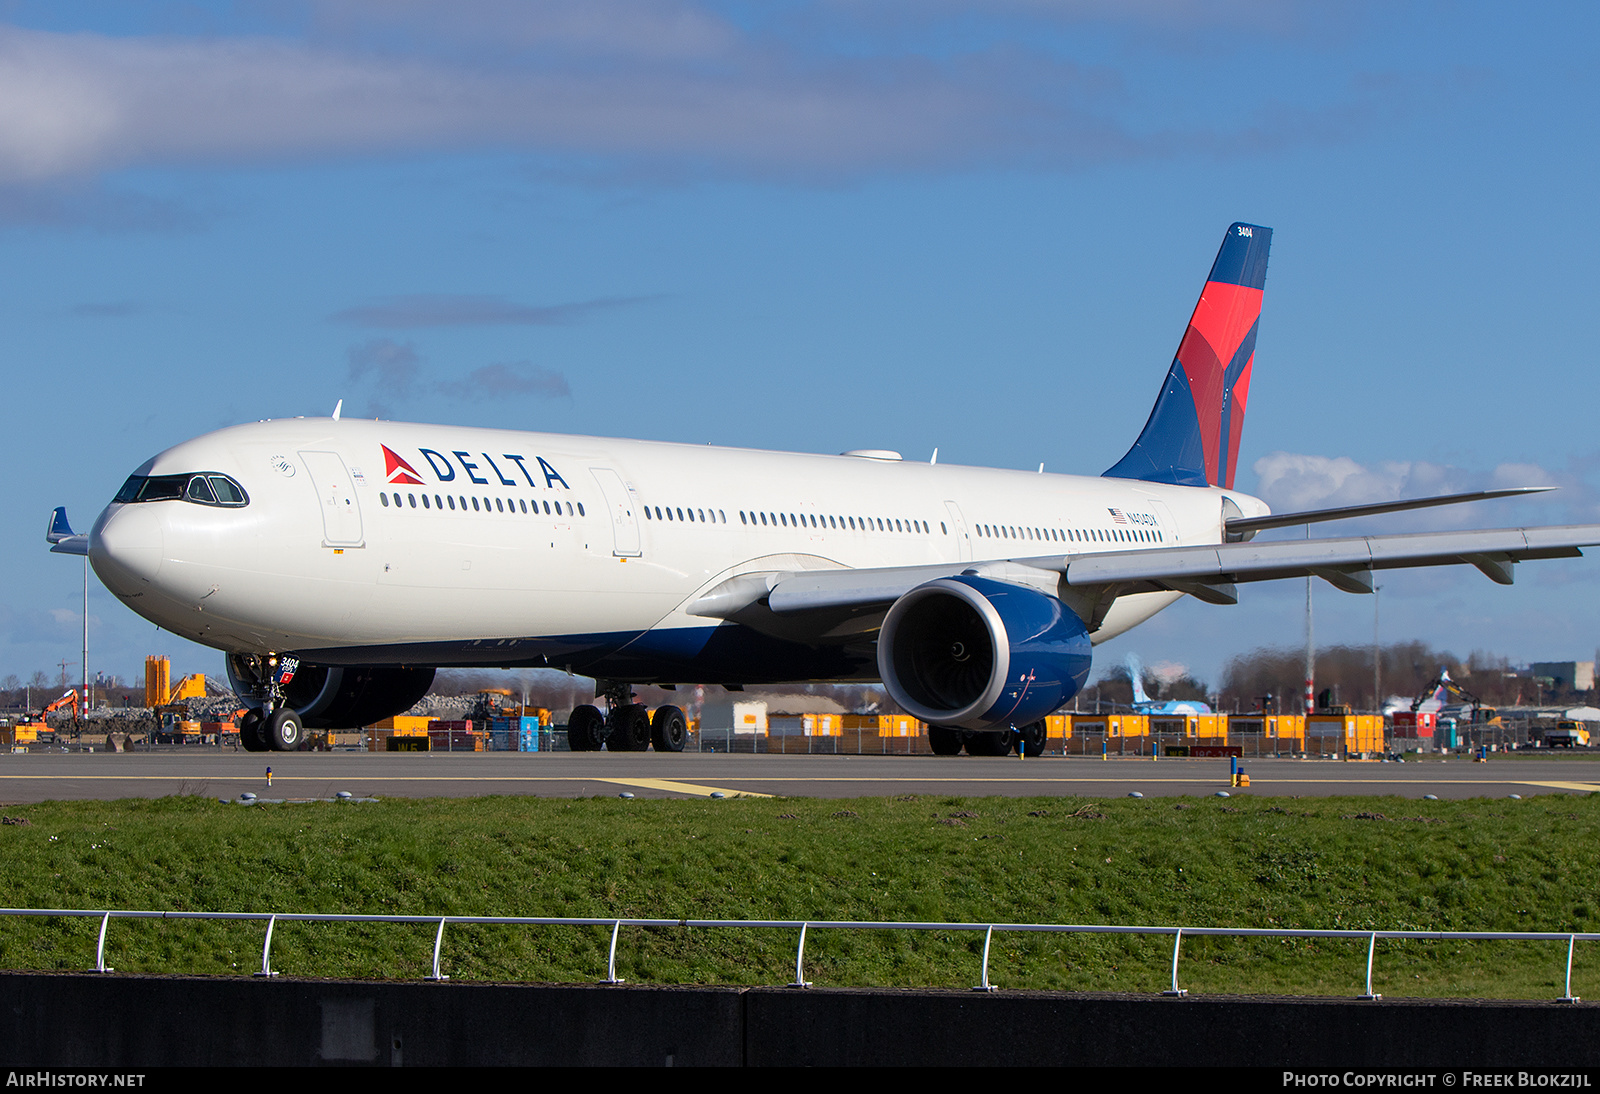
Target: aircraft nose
(125, 548)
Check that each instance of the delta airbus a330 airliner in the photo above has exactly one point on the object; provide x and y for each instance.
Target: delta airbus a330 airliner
(337, 563)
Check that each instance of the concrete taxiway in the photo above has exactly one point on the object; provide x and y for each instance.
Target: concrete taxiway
(227, 774)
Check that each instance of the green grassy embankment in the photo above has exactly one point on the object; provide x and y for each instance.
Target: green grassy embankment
(1359, 863)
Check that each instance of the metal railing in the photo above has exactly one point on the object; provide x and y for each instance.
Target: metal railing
(803, 926)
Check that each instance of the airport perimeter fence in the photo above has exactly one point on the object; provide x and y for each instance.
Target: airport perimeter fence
(867, 742)
(1512, 734)
(988, 930)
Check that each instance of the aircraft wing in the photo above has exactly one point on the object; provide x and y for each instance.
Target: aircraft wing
(1347, 563)
(812, 590)
(1208, 572)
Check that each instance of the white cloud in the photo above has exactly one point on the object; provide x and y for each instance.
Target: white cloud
(1293, 481)
(81, 103)
(463, 310)
(1169, 672)
(661, 29)
(508, 380)
(670, 84)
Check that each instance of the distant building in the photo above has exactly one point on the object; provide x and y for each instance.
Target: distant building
(1565, 675)
(738, 715)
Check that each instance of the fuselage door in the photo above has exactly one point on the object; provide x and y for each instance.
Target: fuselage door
(1172, 534)
(336, 496)
(624, 518)
(958, 529)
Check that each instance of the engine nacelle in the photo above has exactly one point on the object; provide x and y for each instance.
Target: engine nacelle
(975, 653)
(339, 697)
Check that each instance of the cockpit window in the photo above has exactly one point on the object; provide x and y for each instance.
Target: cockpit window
(201, 489)
(228, 491)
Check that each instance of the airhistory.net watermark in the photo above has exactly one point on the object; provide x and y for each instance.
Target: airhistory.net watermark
(1471, 1080)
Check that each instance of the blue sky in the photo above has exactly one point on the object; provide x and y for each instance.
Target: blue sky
(813, 226)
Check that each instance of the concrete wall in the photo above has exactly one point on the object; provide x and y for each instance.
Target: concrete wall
(128, 1022)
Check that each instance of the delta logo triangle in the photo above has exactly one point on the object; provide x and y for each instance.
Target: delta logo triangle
(396, 471)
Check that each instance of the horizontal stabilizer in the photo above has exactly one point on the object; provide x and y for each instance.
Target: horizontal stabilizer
(71, 545)
(1247, 525)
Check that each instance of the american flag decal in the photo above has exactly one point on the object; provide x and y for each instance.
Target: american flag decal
(1117, 517)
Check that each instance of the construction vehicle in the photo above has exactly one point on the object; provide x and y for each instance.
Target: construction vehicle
(169, 702)
(491, 703)
(160, 692)
(1567, 734)
(25, 732)
(69, 700)
(1442, 687)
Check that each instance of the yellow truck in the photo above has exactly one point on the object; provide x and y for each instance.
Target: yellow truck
(1567, 734)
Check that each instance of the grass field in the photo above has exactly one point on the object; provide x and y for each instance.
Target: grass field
(1355, 863)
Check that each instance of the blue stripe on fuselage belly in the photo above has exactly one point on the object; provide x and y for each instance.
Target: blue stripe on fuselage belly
(728, 653)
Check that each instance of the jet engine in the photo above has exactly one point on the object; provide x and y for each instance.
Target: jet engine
(339, 697)
(973, 653)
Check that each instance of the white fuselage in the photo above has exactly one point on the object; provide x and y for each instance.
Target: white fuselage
(492, 547)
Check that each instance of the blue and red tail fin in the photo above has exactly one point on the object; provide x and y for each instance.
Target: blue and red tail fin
(1192, 437)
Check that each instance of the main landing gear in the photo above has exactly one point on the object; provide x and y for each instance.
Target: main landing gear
(1028, 740)
(626, 726)
(275, 727)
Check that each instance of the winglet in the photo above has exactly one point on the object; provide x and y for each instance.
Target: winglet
(62, 539)
(58, 528)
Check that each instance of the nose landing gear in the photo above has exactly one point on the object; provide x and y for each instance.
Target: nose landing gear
(275, 726)
(250, 735)
(283, 731)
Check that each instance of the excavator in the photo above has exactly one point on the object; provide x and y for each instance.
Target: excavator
(1442, 687)
(26, 732)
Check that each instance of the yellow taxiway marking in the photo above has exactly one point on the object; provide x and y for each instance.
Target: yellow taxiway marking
(696, 789)
(647, 784)
(683, 788)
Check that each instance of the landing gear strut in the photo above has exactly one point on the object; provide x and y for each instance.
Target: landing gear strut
(275, 726)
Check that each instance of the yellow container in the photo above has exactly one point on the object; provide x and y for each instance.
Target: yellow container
(1204, 726)
(1280, 727)
(1109, 725)
(405, 725)
(1350, 732)
(886, 725)
(805, 725)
